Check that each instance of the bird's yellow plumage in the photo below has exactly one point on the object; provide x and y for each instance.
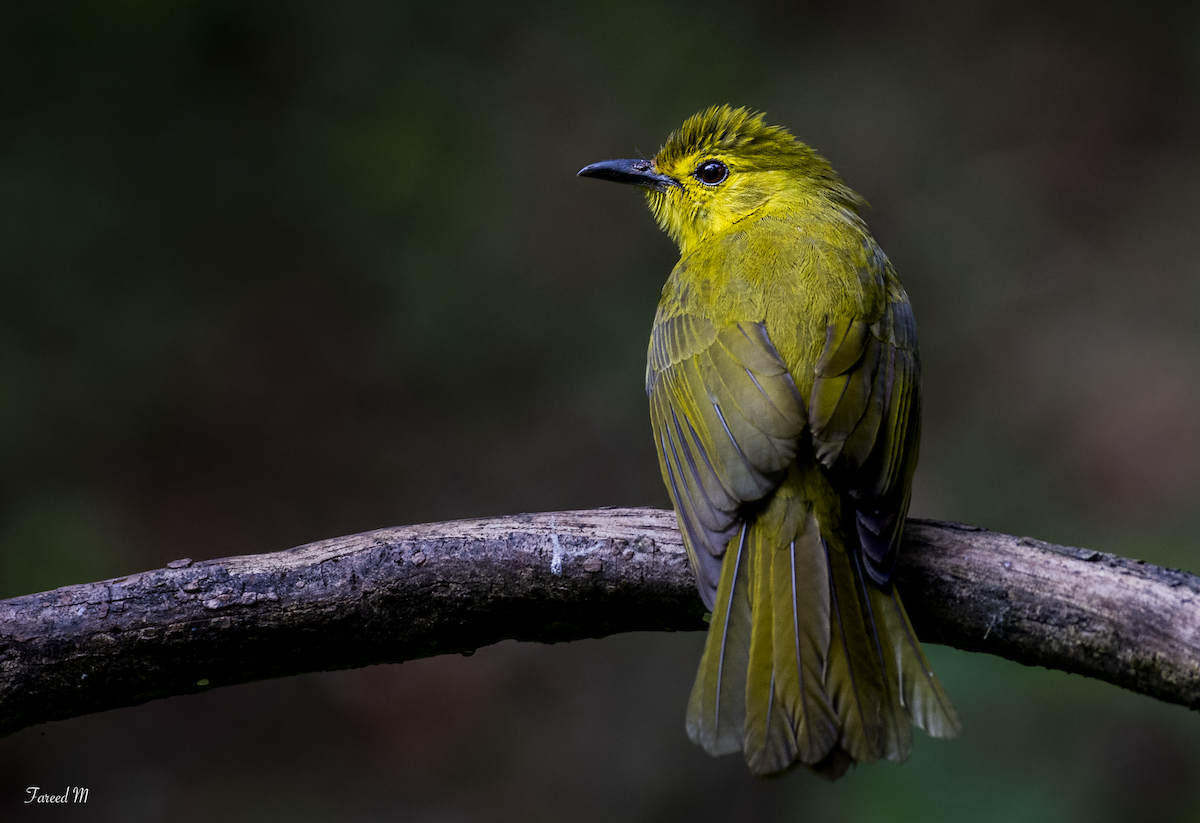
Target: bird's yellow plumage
(784, 389)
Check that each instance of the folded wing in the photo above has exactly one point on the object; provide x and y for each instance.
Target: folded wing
(864, 413)
(726, 416)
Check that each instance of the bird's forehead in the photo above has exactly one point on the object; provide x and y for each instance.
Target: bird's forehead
(675, 161)
(676, 154)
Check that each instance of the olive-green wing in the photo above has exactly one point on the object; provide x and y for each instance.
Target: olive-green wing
(864, 413)
(726, 416)
(865, 416)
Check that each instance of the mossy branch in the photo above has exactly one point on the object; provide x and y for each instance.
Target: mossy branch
(402, 593)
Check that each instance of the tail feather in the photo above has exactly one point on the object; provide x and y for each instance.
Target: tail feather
(923, 695)
(856, 677)
(896, 714)
(808, 660)
(770, 741)
(716, 717)
(800, 608)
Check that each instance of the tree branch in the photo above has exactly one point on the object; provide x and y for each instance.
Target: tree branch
(398, 594)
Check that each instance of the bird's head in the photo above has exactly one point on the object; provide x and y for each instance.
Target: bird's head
(721, 166)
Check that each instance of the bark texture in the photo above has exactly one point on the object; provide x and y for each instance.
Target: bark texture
(402, 593)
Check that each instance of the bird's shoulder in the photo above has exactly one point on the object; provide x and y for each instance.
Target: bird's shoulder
(794, 271)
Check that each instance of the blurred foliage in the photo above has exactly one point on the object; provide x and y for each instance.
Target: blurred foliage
(272, 272)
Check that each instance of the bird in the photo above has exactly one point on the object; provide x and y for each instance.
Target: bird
(785, 401)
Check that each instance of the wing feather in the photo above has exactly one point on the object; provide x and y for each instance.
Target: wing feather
(864, 415)
(727, 416)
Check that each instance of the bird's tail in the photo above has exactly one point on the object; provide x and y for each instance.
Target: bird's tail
(807, 660)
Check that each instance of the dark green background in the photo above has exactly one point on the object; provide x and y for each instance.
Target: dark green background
(274, 272)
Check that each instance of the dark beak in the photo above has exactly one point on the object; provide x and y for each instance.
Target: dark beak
(638, 172)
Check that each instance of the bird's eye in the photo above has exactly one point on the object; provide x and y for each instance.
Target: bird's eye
(711, 172)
